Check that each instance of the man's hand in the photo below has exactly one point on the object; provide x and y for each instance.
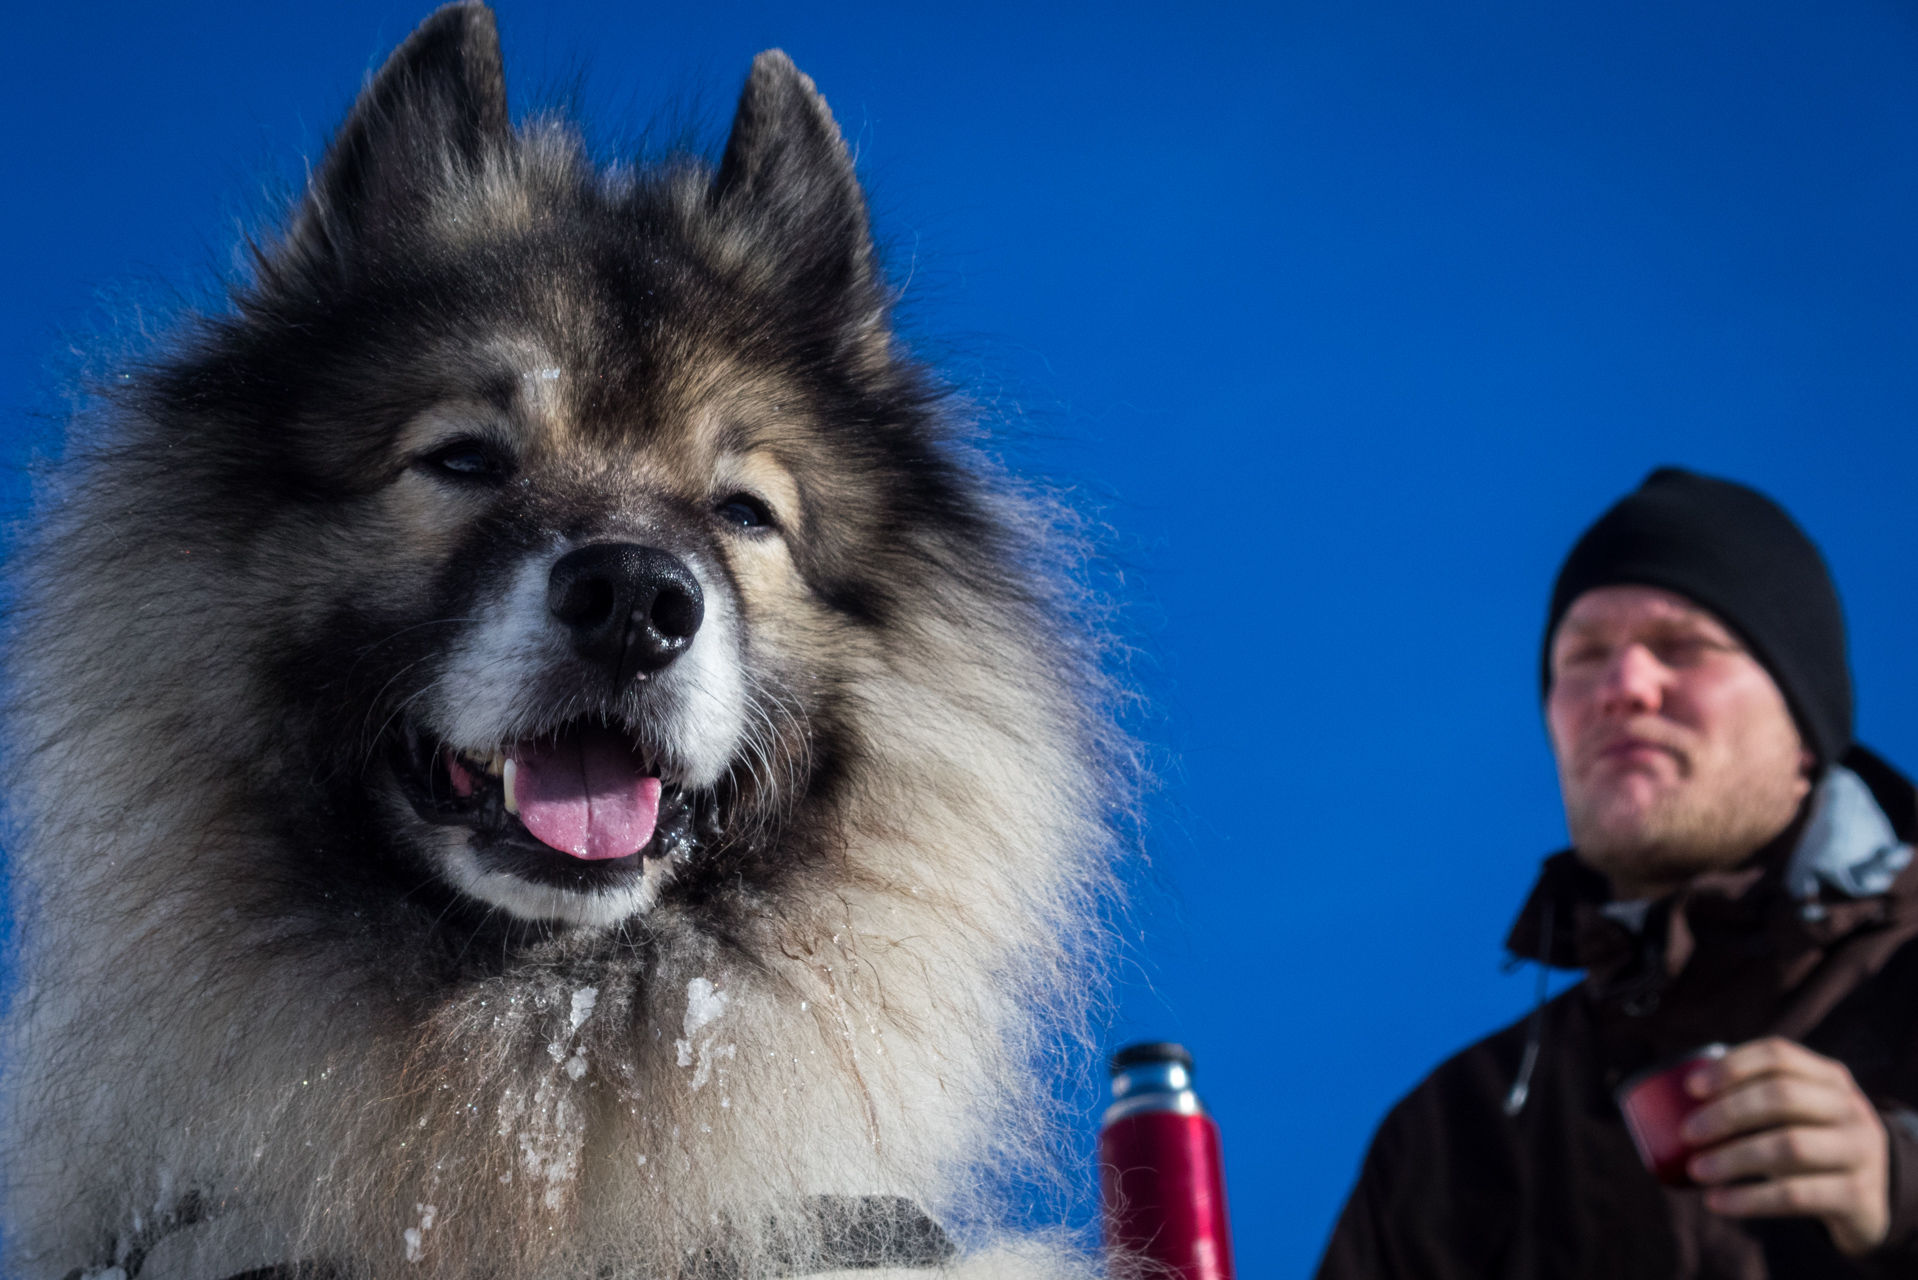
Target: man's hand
(1780, 1112)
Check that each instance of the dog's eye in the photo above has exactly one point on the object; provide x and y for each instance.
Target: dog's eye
(745, 511)
(466, 460)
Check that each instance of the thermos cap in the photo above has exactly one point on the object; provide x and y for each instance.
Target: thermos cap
(1145, 1051)
(1153, 1076)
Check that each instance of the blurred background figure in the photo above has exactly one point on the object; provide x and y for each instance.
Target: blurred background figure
(1740, 875)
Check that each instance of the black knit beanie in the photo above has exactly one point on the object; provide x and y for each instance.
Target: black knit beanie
(1736, 552)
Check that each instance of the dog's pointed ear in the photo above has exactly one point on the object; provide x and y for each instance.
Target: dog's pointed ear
(788, 177)
(433, 112)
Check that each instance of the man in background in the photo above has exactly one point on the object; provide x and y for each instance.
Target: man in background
(1739, 874)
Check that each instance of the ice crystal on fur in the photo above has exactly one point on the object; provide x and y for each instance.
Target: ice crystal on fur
(305, 696)
(583, 1001)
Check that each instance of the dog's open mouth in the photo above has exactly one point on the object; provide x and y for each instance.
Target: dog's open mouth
(587, 793)
(577, 804)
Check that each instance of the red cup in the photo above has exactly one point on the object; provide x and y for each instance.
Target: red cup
(1656, 1103)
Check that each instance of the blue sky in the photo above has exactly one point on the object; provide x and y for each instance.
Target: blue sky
(1344, 317)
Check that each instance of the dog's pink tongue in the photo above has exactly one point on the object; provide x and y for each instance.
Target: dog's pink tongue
(585, 795)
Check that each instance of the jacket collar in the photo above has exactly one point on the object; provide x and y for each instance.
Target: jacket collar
(1829, 870)
(1731, 956)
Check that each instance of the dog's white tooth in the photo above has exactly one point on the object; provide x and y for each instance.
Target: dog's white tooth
(496, 765)
(512, 801)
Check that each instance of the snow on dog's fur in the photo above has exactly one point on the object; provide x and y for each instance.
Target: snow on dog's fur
(294, 985)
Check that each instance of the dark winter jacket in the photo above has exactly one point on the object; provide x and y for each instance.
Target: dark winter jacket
(1454, 1188)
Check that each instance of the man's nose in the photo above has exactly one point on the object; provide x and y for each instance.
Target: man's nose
(1634, 681)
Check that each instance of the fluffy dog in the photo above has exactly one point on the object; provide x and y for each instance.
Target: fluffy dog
(534, 747)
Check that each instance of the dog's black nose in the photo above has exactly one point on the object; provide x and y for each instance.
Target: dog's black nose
(632, 609)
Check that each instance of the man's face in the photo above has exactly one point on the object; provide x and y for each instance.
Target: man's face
(1676, 751)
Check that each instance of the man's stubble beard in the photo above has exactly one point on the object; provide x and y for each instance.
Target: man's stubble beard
(1686, 831)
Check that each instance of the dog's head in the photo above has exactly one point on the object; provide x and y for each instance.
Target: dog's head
(577, 495)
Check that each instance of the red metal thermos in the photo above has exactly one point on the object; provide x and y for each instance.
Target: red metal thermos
(1161, 1180)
